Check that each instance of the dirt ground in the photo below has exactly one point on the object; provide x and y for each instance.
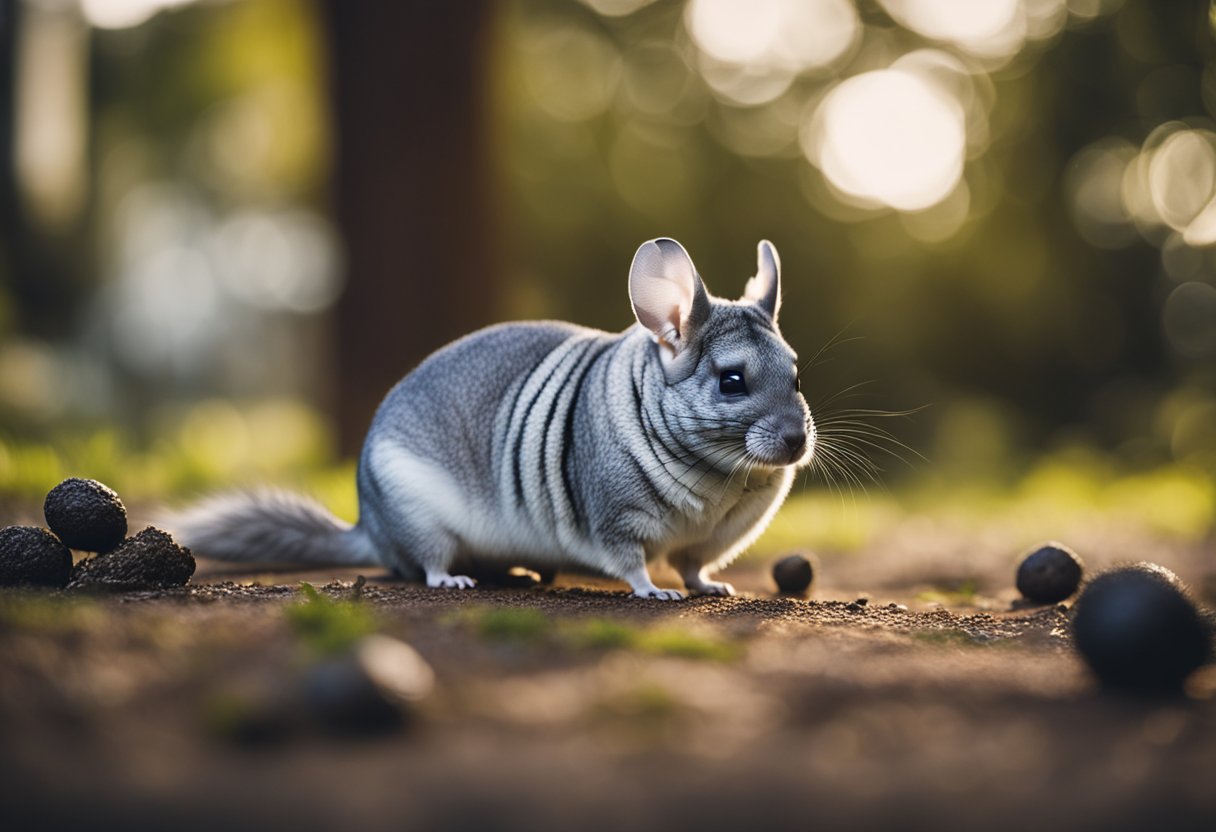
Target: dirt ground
(578, 707)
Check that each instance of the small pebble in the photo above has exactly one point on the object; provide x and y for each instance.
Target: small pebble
(793, 574)
(369, 691)
(86, 515)
(149, 560)
(30, 556)
(1050, 573)
(1139, 630)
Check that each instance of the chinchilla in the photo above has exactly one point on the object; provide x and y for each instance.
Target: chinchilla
(554, 446)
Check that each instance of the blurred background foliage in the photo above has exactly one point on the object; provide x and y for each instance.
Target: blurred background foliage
(1000, 215)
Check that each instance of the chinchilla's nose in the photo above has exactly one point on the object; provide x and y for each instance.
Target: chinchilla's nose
(794, 439)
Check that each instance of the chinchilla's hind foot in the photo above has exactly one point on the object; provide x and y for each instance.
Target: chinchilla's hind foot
(697, 583)
(442, 580)
(719, 588)
(639, 581)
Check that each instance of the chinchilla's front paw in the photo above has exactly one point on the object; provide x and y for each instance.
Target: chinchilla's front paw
(442, 580)
(659, 594)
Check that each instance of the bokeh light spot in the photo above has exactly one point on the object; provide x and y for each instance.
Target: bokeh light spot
(991, 28)
(889, 137)
(942, 220)
(1086, 10)
(587, 81)
(954, 20)
(1093, 183)
(796, 35)
(1182, 176)
(1189, 319)
(124, 14)
(617, 8)
(752, 51)
(657, 82)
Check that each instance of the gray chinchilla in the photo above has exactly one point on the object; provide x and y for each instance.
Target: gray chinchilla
(554, 446)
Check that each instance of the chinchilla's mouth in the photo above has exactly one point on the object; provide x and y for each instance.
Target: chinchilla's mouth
(770, 447)
(772, 452)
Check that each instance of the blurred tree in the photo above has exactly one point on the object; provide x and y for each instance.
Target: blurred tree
(41, 276)
(412, 188)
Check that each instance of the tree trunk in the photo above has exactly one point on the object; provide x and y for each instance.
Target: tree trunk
(41, 269)
(411, 189)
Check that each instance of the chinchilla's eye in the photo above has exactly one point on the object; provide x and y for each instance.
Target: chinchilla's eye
(731, 383)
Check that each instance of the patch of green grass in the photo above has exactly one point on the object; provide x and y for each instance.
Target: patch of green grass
(226, 714)
(602, 634)
(30, 613)
(527, 625)
(961, 593)
(674, 642)
(509, 623)
(186, 450)
(956, 638)
(605, 634)
(328, 626)
(648, 705)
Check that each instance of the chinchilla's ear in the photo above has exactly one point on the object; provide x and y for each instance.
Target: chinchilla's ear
(667, 294)
(764, 290)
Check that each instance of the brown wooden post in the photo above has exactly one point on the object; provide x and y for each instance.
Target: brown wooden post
(411, 187)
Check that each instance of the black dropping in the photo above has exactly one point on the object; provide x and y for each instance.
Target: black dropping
(86, 515)
(793, 574)
(149, 560)
(31, 556)
(1139, 631)
(1049, 574)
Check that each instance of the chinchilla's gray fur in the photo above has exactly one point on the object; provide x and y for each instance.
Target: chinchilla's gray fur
(554, 446)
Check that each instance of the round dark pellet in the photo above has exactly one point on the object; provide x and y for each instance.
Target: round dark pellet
(30, 556)
(1139, 630)
(86, 515)
(794, 574)
(1050, 573)
(149, 560)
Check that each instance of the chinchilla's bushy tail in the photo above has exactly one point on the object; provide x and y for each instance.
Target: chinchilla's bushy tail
(270, 527)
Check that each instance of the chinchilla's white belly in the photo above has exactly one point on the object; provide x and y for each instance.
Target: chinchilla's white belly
(490, 528)
(481, 524)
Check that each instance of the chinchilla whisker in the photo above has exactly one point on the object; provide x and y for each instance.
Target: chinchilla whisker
(833, 342)
(873, 437)
(845, 447)
(853, 464)
(734, 470)
(878, 412)
(831, 471)
(850, 392)
(693, 460)
(734, 423)
(727, 483)
(849, 464)
(842, 453)
(850, 482)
